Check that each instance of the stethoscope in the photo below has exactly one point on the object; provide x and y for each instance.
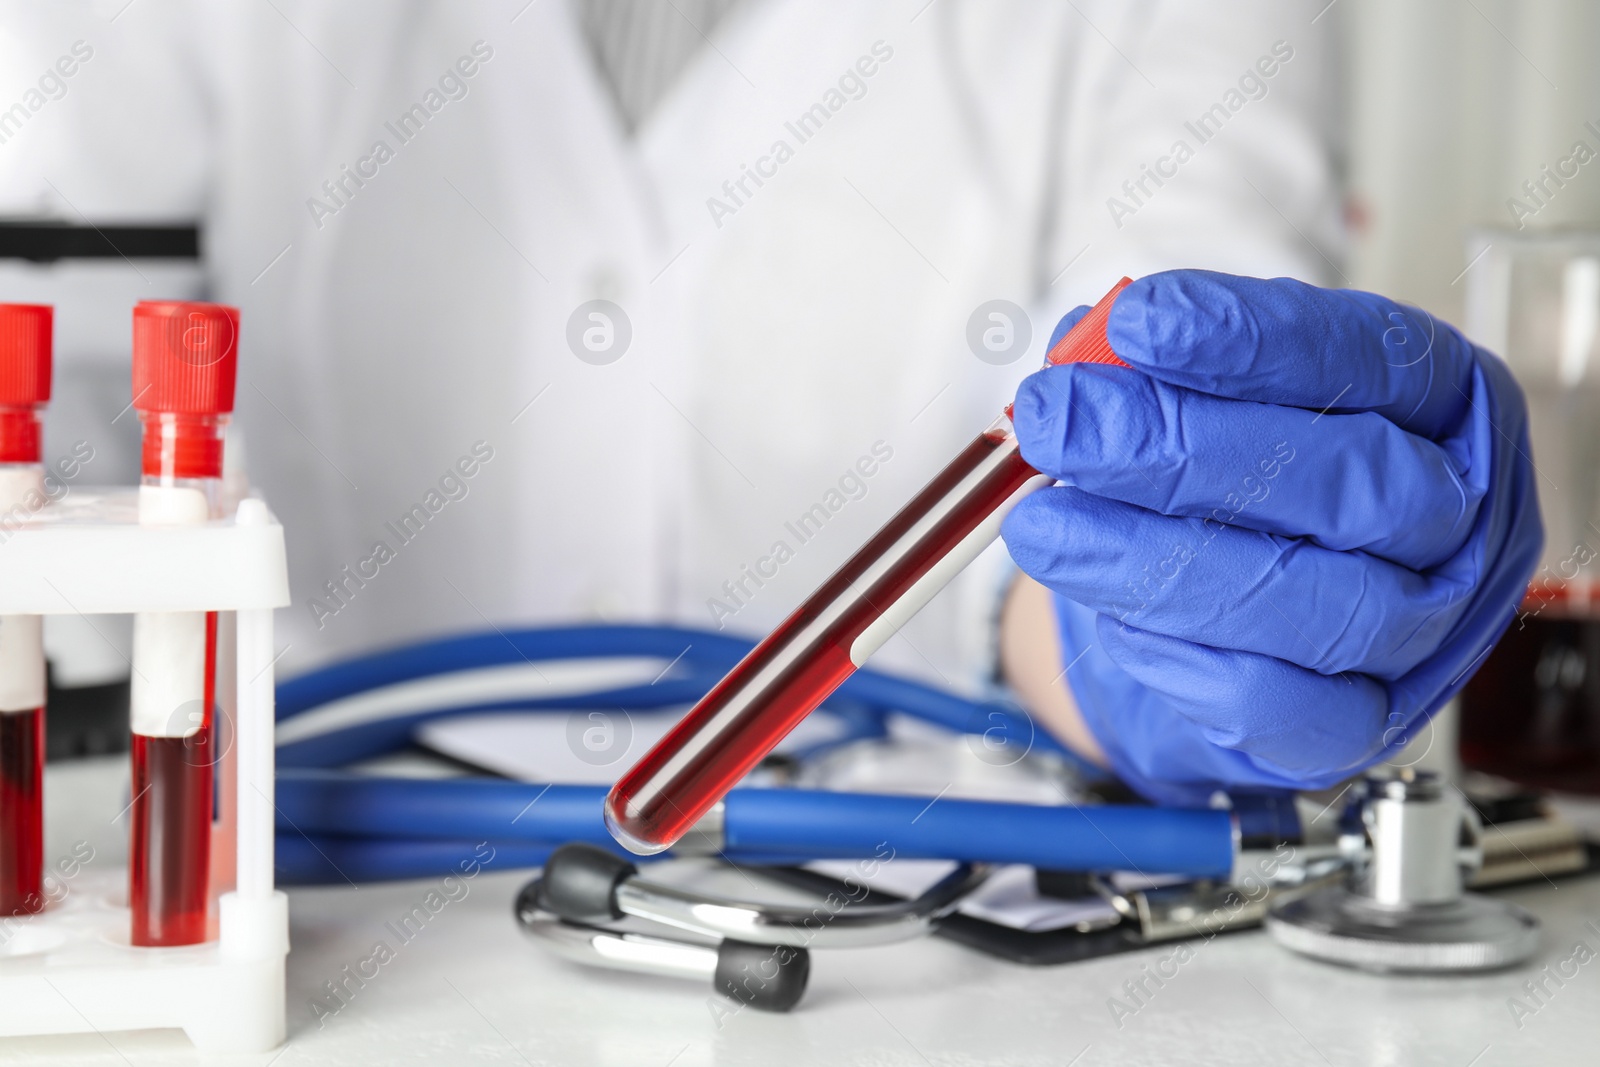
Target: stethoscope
(1387, 896)
(335, 825)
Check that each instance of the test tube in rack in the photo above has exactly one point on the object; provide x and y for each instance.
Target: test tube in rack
(184, 362)
(25, 349)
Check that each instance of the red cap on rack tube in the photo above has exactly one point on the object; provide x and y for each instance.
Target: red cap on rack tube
(185, 355)
(25, 338)
(1086, 341)
(25, 344)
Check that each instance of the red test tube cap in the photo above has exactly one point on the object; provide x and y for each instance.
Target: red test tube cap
(1086, 341)
(185, 356)
(25, 341)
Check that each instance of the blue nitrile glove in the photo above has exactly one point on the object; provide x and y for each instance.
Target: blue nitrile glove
(1284, 538)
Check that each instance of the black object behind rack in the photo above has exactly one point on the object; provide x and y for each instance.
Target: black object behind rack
(46, 242)
(89, 720)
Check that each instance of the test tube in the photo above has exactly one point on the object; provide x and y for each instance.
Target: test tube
(184, 359)
(790, 673)
(25, 343)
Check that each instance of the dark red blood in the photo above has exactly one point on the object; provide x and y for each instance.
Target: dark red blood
(21, 812)
(169, 844)
(788, 675)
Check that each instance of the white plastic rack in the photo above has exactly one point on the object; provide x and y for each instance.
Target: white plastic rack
(71, 967)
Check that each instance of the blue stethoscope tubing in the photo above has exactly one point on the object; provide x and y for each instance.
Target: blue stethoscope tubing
(770, 825)
(698, 660)
(336, 827)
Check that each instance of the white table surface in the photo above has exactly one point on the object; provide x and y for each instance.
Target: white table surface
(471, 989)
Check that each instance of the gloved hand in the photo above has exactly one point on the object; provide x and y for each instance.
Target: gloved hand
(1283, 538)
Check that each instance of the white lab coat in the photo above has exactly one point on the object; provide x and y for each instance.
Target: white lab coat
(777, 338)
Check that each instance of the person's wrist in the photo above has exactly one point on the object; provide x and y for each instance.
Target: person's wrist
(1031, 665)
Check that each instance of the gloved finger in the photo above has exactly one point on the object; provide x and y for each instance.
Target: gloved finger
(1152, 745)
(1294, 721)
(1068, 321)
(1345, 481)
(1280, 341)
(1233, 588)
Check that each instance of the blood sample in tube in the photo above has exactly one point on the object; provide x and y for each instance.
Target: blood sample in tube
(25, 348)
(184, 360)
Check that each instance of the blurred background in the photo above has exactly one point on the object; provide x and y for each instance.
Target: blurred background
(1453, 105)
(1459, 115)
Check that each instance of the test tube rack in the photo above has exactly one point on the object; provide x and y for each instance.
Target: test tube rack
(71, 967)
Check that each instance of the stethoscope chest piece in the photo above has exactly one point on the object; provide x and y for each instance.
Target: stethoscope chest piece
(1413, 841)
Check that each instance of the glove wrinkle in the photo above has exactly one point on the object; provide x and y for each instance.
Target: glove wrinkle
(1343, 482)
(1428, 363)
(1364, 654)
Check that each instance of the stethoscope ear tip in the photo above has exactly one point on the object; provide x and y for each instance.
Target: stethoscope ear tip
(579, 884)
(578, 893)
(764, 977)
